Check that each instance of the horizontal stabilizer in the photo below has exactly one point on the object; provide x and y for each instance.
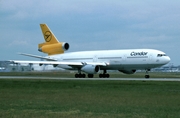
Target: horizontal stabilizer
(39, 57)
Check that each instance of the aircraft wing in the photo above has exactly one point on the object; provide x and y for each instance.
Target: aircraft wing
(74, 64)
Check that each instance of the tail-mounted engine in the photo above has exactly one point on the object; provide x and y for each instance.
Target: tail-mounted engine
(51, 46)
(56, 48)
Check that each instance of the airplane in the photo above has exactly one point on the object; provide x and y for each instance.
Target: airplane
(127, 61)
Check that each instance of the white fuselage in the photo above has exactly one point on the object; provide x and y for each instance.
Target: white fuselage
(131, 59)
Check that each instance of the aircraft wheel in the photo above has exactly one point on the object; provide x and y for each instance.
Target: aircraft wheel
(107, 75)
(147, 76)
(76, 75)
(103, 75)
(100, 75)
(80, 75)
(83, 76)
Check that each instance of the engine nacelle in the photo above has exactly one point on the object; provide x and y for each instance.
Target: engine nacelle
(56, 48)
(128, 71)
(90, 69)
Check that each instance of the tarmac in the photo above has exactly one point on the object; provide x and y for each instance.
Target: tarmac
(104, 79)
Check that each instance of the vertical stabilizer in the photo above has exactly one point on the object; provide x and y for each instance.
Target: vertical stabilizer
(51, 46)
(48, 35)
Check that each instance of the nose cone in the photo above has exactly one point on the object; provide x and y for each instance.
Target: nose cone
(167, 59)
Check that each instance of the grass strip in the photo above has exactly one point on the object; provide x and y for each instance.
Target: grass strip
(68, 98)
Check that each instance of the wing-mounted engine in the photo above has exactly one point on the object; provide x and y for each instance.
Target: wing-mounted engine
(56, 48)
(90, 69)
(128, 71)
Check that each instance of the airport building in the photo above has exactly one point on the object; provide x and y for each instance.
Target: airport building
(6, 66)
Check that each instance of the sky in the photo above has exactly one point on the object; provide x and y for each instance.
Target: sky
(90, 25)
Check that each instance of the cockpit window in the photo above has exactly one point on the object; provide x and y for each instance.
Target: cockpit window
(160, 55)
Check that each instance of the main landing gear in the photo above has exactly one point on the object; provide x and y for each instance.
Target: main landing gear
(104, 75)
(79, 75)
(147, 74)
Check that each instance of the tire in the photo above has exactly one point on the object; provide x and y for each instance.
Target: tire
(147, 76)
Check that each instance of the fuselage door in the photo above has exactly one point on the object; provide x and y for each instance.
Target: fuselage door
(95, 58)
(124, 57)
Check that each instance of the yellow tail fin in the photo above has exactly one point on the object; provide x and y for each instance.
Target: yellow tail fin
(48, 35)
(51, 46)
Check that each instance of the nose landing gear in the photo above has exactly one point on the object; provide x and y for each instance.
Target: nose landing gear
(147, 74)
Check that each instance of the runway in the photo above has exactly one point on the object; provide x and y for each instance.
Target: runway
(105, 79)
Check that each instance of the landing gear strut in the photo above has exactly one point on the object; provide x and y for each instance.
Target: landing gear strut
(147, 74)
(79, 75)
(104, 75)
